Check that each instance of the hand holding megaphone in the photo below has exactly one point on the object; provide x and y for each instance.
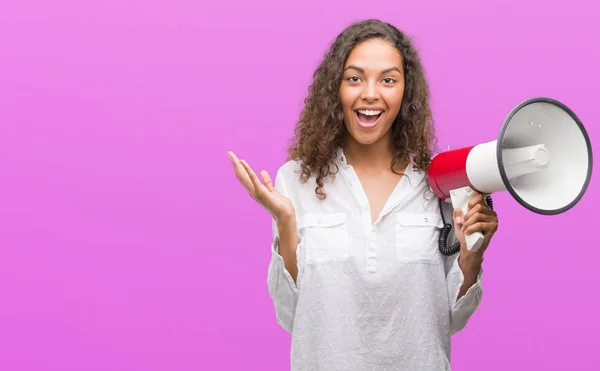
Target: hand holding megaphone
(542, 157)
(475, 224)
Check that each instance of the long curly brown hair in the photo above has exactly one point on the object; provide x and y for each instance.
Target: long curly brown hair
(321, 130)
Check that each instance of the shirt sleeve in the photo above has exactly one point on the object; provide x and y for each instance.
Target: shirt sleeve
(461, 309)
(282, 288)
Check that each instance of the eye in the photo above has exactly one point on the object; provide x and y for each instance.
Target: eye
(389, 80)
(353, 79)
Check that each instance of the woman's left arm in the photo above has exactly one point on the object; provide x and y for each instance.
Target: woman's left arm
(479, 218)
(464, 271)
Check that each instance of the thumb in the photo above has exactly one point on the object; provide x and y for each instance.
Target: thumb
(457, 216)
(267, 180)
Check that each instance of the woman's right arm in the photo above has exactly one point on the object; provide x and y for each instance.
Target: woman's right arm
(282, 274)
(283, 267)
(288, 244)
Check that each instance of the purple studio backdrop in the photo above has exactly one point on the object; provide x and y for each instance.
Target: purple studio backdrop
(126, 242)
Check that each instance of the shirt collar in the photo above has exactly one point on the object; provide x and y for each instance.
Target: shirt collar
(415, 177)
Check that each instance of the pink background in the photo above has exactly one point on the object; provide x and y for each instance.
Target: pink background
(126, 242)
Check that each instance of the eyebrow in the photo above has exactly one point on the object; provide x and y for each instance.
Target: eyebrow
(361, 70)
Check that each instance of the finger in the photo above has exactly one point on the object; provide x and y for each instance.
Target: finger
(479, 208)
(267, 180)
(477, 199)
(235, 161)
(242, 175)
(478, 218)
(258, 187)
(457, 215)
(486, 228)
(233, 157)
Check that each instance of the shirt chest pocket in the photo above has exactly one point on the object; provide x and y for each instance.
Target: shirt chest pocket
(325, 237)
(417, 237)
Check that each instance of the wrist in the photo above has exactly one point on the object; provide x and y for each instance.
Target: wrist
(470, 263)
(286, 228)
(286, 223)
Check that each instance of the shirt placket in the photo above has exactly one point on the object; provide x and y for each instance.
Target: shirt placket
(396, 198)
(365, 214)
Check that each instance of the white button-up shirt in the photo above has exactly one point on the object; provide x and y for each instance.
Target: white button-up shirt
(368, 296)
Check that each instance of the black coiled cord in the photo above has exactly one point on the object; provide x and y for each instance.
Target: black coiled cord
(445, 232)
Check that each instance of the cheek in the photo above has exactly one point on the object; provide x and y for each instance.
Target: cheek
(346, 98)
(394, 98)
(346, 103)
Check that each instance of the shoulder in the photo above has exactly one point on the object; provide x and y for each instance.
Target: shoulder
(289, 179)
(288, 175)
(288, 171)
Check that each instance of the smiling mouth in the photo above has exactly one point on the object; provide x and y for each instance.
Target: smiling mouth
(368, 118)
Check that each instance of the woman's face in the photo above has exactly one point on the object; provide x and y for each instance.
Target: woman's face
(372, 89)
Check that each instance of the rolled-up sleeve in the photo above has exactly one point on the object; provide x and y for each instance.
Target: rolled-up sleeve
(461, 309)
(282, 288)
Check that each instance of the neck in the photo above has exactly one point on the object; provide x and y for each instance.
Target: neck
(376, 156)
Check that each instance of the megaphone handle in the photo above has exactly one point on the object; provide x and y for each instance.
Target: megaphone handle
(460, 200)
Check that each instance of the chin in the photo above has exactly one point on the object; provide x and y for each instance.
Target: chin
(366, 138)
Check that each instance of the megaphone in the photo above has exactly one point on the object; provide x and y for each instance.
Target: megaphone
(542, 157)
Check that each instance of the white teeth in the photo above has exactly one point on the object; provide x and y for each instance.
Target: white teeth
(370, 112)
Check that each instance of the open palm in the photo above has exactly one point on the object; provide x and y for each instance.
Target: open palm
(279, 206)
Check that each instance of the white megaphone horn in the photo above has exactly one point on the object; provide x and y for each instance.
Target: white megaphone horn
(542, 157)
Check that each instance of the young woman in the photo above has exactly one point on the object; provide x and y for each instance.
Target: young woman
(356, 275)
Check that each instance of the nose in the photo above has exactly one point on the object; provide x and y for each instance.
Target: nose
(370, 92)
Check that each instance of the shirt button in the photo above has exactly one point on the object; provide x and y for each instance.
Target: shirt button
(426, 220)
(318, 221)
